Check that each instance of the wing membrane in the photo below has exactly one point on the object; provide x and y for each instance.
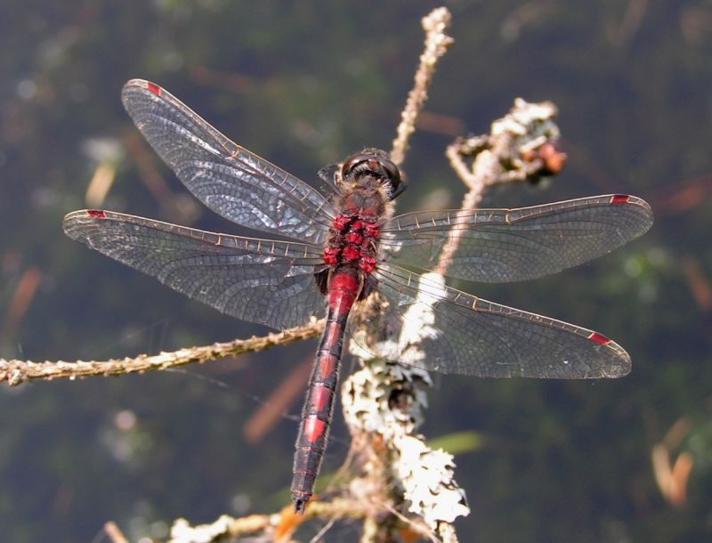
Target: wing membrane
(467, 335)
(263, 281)
(502, 245)
(226, 177)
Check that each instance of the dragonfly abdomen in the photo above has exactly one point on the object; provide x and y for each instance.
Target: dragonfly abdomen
(344, 287)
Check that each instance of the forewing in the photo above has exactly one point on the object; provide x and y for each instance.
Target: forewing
(501, 245)
(226, 177)
(263, 281)
(446, 330)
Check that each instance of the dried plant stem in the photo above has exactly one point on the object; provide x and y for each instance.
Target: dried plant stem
(399, 468)
(521, 146)
(114, 534)
(270, 527)
(436, 43)
(16, 372)
(477, 181)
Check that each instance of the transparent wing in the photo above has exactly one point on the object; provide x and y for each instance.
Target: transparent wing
(262, 281)
(446, 330)
(501, 245)
(226, 177)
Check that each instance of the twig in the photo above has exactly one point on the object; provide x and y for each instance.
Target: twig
(436, 43)
(114, 533)
(672, 476)
(700, 285)
(16, 372)
(415, 526)
(273, 527)
(384, 402)
(317, 537)
(521, 146)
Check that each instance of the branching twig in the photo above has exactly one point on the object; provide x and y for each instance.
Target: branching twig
(16, 372)
(273, 527)
(384, 402)
(521, 146)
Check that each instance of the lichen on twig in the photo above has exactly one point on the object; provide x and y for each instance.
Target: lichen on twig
(521, 146)
(279, 526)
(384, 401)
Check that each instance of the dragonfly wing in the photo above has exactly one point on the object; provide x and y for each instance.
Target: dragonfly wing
(227, 178)
(467, 335)
(263, 281)
(502, 245)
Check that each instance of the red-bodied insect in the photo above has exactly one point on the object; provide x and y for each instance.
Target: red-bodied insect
(344, 246)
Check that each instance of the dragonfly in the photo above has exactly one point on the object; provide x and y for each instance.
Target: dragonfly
(326, 250)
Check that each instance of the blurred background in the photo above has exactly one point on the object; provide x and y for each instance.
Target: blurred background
(304, 85)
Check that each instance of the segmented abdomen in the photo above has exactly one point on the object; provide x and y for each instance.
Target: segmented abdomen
(343, 290)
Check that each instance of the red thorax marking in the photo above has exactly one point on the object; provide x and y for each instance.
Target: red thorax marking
(341, 222)
(351, 253)
(367, 264)
(331, 256)
(599, 339)
(373, 230)
(353, 240)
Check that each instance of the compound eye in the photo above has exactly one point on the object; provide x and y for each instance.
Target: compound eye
(351, 163)
(393, 173)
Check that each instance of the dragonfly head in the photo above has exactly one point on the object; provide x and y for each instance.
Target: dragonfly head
(373, 163)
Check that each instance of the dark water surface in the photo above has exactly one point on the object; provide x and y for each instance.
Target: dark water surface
(304, 86)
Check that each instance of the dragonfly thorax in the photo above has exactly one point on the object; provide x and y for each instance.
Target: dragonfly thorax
(353, 241)
(368, 182)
